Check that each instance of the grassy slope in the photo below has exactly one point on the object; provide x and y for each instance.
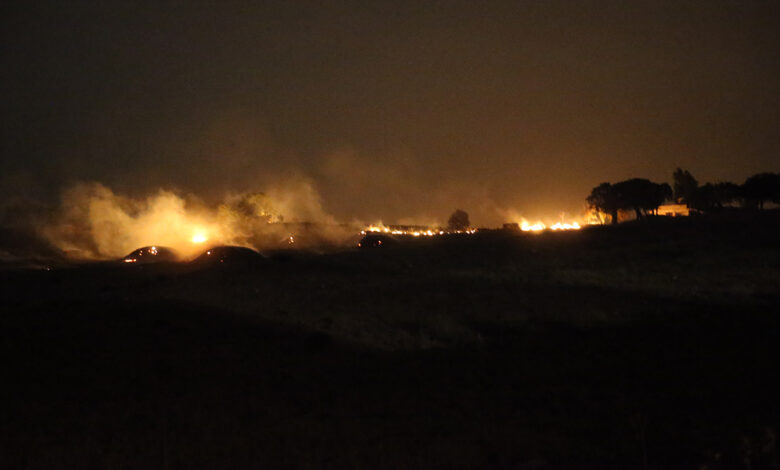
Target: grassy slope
(606, 348)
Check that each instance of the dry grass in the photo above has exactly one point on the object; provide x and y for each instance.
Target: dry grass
(599, 349)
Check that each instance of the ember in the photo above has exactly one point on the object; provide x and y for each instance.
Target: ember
(411, 230)
(151, 254)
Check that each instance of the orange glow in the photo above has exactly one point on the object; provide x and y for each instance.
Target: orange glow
(427, 232)
(565, 226)
(539, 226)
(199, 237)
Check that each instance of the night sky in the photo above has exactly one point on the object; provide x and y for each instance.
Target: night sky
(393, 110)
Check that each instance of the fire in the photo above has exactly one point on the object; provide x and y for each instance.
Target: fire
(537, 227)
(525, 226)
(595, 217)
(540, 226)
(566, 226)
(199, 237)
(414, 232)
(377, 229)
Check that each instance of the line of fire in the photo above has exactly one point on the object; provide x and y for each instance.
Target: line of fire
(289, 235)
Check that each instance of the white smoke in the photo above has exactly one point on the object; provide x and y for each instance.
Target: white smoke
(95, 222)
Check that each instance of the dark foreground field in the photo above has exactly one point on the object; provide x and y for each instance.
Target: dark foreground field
(644, 346)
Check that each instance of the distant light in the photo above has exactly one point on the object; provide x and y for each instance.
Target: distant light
(199, 238)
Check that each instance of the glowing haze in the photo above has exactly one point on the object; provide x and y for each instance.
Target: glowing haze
(93, 221)
(396, 111)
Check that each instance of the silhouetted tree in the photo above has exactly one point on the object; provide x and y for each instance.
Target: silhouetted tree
(459, 220)
(761, 188)
(685, 186)
(712, 197)
(603, 198)
(641, 195)
(704, 199)
(726, 193)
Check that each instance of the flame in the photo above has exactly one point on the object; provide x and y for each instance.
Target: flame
(377, 229)
(594, 217)
(537, 227)
(566, 226)
(540, 226)
(95, 222)
(427, 232)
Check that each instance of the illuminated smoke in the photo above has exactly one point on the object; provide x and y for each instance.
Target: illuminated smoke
(92, 221)
(95, 222)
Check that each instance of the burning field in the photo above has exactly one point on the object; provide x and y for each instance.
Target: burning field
(261, 328)
(422, 235)
(93, 222)
(563, 349)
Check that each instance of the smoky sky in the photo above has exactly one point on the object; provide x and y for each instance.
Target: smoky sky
(393, 110)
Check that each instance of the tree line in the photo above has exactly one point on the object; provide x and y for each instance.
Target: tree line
(644, 196)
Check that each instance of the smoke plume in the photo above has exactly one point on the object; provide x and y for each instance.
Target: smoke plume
(94, 222)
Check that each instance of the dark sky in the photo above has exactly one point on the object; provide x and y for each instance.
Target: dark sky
(393, 109)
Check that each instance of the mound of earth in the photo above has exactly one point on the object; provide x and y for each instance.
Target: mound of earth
(151, 254)
(229, 255)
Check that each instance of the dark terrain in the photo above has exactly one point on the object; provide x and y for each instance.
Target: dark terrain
(649, 345)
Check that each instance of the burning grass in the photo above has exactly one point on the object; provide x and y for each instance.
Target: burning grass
(94, 222)
(430, 291)
(491, 349)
